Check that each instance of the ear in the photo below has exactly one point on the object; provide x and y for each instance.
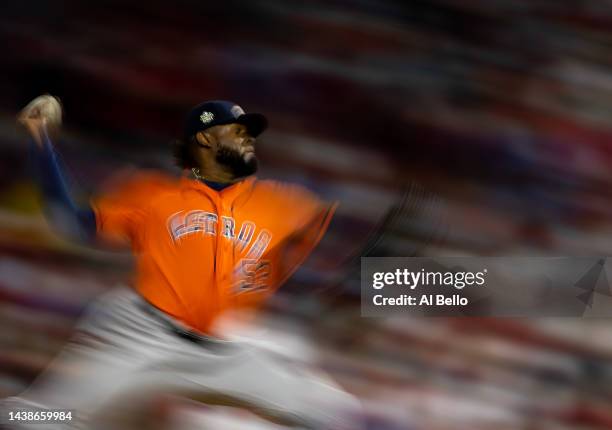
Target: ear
(204, 139)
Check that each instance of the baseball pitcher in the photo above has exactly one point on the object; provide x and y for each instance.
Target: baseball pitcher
(215, 241)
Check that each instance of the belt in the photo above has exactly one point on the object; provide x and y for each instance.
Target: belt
(178, 329)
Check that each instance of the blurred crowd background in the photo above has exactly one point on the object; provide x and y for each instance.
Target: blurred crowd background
(444, 128)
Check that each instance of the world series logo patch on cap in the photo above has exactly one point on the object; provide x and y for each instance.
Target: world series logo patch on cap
(206, 117)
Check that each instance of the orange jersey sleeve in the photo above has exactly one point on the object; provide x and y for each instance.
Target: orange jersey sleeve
(121, 210)
(314, 218)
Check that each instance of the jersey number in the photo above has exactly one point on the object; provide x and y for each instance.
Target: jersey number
(253, 275)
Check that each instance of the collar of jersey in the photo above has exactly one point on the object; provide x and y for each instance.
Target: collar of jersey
(230, 191)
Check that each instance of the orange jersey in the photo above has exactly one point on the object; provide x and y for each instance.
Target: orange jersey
(201, 251)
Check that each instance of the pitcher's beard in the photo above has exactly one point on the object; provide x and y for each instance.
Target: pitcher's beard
(239, 167)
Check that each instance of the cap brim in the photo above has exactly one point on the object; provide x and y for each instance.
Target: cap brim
(255, 123)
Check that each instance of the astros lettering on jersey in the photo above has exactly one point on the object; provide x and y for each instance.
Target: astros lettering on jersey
(200, 251)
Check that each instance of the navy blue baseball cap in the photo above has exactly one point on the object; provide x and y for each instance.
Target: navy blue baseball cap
(219, 112)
